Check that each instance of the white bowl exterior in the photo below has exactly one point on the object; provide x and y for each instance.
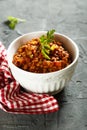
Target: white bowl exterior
(43, 83)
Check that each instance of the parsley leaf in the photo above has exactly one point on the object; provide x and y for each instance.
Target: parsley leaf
(44, 41)
(13, 21)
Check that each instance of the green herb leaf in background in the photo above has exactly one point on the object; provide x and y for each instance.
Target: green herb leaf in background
(13, 21)
(44, 41)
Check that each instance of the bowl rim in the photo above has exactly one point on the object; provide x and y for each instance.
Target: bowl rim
(49, 73)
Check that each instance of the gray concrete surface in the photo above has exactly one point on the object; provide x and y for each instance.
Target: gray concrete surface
(70, 18)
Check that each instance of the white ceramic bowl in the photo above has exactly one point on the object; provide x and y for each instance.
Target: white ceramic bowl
(52, 82)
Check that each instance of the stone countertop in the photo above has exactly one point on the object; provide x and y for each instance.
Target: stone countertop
(70, 18)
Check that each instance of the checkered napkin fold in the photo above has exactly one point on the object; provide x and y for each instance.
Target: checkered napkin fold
(14, 100)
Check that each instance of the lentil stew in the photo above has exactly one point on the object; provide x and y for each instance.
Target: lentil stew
(30, 58)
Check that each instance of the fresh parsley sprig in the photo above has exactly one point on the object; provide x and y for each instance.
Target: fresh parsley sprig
(13, 21)
(44, 41)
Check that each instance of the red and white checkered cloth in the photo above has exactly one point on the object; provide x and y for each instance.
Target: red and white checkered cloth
(14, 100)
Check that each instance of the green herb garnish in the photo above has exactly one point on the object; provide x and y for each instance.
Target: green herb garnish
(44, 41)
(13, 21)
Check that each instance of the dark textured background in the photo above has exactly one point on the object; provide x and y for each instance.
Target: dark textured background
(70, 18)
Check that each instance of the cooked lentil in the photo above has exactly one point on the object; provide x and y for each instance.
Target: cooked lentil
(29, 57)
